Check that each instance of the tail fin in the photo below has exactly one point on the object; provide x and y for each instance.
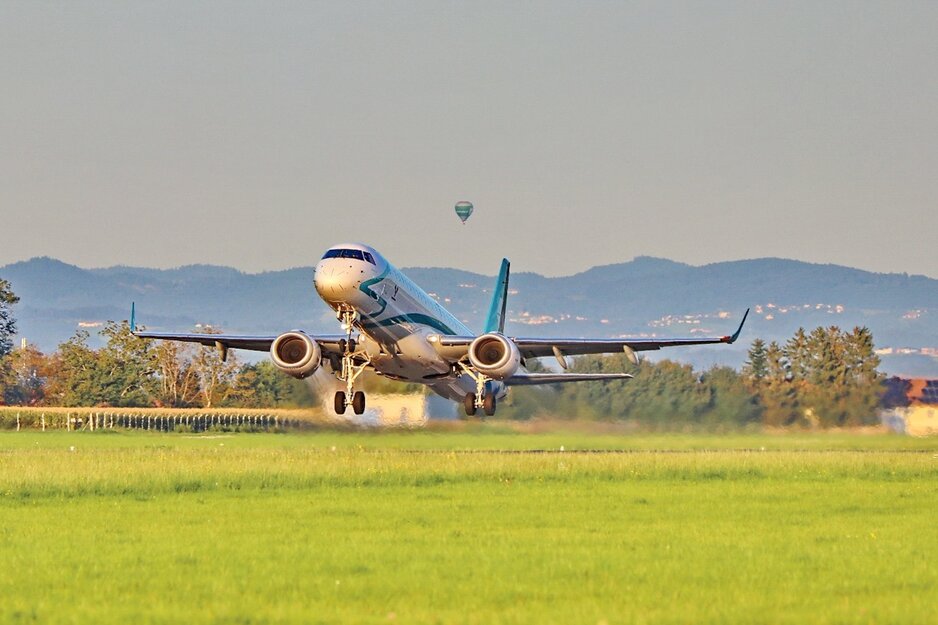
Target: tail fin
(496, 319)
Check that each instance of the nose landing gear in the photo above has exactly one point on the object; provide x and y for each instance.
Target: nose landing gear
(354, 361)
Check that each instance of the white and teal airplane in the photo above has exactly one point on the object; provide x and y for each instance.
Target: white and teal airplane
(394, 328)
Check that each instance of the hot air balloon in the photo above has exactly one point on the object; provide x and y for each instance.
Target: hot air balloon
(463, 210)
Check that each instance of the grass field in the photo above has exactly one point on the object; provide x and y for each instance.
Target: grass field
(478, 525)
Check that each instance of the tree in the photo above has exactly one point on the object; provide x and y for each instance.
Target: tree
(731, 400)
(119, 374)
(262, 385)
(28, 372)
(7, 321)
(663, 393)
(756, 368)
(827, 378)
(778, 392)
(75, 381)
(215, 373)
(797, 354)
(178, 380)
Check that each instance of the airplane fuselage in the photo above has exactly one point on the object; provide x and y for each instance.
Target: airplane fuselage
(399, 323)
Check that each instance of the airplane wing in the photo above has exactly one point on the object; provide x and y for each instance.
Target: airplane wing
(328, 343)
(558, 347)
(537, 348)
(530, 379)
(260, 343)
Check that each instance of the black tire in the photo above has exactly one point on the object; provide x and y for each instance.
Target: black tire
(352, 346)
(340, 402)
(342, 345)
(358, 402)
(488, 404)
(470, 404)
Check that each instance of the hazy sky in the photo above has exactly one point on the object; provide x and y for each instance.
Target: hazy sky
(257, 134)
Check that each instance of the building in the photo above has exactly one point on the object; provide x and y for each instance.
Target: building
(910, 406)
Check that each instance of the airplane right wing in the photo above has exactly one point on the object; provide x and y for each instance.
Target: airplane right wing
(258, 343)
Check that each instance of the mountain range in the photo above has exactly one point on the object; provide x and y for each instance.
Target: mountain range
(643, 297)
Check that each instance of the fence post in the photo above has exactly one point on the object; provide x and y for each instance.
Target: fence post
(17, 422)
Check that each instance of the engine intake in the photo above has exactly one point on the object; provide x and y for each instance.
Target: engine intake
(494, 356)
(296, 354)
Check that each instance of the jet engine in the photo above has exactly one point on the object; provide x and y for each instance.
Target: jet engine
(296, 354)
(494, 356)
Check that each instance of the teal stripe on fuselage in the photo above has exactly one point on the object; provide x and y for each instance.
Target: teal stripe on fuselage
(418, 318)
(367, 290)
(406, 303)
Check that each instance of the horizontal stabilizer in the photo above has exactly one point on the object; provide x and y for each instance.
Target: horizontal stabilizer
(530, 379)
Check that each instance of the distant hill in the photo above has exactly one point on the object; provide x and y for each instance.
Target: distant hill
(644, 296)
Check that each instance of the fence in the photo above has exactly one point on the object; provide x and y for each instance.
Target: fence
(163, 420)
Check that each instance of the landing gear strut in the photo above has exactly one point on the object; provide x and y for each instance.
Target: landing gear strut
(480, 399)
(353, 364)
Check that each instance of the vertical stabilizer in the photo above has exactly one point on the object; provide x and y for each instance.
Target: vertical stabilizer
(496, 319)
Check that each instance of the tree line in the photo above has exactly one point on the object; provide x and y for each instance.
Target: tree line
(825, 378)
(133, 372)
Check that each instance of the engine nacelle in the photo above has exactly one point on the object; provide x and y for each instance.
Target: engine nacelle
(494, 356)
(296, 354)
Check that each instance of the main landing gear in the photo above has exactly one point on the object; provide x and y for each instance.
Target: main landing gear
(353, 364)
(483, 398)
(488, 404)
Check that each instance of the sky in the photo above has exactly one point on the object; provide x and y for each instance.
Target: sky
(257, 134)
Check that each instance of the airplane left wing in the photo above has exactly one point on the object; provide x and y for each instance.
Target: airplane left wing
(559, 347)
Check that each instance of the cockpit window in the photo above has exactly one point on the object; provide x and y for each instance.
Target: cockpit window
(356, 254)
(369, 258)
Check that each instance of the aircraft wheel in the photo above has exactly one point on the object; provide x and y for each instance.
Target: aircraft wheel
(488, 404)
(352, 346)
(340, 402)
(358, 402)
(342, 345)
(470, 404)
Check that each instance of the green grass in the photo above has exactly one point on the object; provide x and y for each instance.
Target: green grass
(439, 527)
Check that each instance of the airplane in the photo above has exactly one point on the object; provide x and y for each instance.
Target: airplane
(392, 327)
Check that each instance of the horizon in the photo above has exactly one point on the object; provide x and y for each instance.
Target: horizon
(514, 272)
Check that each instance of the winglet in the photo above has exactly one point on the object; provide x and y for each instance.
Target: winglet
(133, 317)
(732, 339)
(496, 319)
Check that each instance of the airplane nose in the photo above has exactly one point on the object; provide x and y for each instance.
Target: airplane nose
(336, 282)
